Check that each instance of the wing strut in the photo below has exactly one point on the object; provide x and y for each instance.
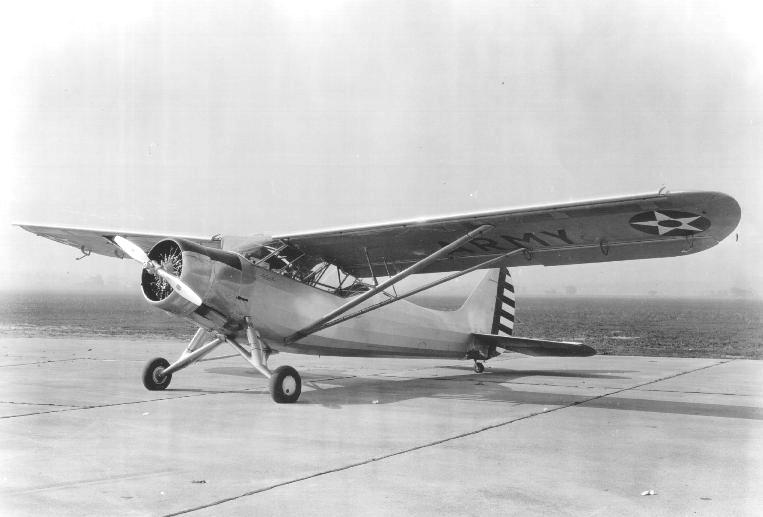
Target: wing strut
(415, 268)
(430, 285)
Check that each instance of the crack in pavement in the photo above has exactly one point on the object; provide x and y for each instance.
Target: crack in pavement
(436, 442)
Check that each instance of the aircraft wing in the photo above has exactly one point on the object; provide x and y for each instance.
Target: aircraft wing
(624, 228)
(99, 241)
(536, 347)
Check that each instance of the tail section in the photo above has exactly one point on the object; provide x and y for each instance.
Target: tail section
(490, 313)
(491, 306)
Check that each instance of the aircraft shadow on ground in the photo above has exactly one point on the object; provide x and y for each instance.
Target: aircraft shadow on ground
(513, 374)
(336, 389)
(489, 386)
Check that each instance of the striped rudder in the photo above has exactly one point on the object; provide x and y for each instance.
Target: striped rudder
(503, 314)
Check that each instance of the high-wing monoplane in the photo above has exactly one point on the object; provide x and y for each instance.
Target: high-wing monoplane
(332, 292)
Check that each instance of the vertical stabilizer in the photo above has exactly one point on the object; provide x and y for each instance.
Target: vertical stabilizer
(490, 307)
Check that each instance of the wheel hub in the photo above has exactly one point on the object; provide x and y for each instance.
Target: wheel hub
(289, 385)
(158, 375)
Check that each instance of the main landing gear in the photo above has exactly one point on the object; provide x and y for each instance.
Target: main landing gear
(154, 378)
(478, 367)
(285, 382)
(285, 385)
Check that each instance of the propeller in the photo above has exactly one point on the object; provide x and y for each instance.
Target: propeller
(136, 253)
(133, 250)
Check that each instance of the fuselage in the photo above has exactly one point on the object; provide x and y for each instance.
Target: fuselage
(233, 289)
(281, 306)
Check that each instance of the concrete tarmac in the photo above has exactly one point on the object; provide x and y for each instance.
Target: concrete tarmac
(79, 435)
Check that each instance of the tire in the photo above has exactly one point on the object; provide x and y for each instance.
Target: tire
(153, 379)
(479, 367)
(285, 385)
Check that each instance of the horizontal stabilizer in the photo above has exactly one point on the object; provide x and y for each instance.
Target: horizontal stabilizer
(537, 347)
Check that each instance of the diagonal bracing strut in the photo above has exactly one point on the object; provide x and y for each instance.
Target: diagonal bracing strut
(415, 268)
(430, 285)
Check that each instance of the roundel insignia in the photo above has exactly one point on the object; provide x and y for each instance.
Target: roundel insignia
(670, 223)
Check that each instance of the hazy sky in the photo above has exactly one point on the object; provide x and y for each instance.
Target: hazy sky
(267, 117)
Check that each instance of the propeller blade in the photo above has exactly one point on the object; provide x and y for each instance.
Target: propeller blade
(136, 252)
(181, 287)
(133, 250)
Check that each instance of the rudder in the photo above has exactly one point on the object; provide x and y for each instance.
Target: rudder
(505, 305)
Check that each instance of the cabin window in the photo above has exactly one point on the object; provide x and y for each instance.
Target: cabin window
(289, 261)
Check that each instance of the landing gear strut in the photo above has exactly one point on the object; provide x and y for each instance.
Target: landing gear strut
(158, 372)
(285, 382)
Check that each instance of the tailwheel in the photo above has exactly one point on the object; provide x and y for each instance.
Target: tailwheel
(154, 378)
(479, 367)
(285, 385)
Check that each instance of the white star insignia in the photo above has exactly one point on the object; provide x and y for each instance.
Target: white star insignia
(685, 223)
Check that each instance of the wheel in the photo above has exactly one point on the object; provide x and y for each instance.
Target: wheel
(153, 376)
(479, 367)
(285, 385)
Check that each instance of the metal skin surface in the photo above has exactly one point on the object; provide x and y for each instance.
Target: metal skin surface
(218, 284)
(403, 329)
(280, 306)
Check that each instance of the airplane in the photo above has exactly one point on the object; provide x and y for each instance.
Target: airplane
(332, 292)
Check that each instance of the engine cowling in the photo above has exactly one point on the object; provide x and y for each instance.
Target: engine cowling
(215, 275)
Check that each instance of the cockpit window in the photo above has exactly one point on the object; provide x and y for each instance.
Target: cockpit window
(289, 261)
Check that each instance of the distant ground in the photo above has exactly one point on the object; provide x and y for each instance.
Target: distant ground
(679, 327)
(613, 325)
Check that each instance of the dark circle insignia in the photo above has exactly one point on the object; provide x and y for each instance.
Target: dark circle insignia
(670, 223)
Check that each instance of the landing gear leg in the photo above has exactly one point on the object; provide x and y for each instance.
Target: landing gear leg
(285, 382)
(158, 372)
(478, 367)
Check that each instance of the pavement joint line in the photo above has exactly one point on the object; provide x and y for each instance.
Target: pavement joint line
(71, 406)
(431, 444)
(636, 387)
(556, 385)
(128, 403)
(488, 380)
(703, 393)
(49, 361)
(86, 482)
